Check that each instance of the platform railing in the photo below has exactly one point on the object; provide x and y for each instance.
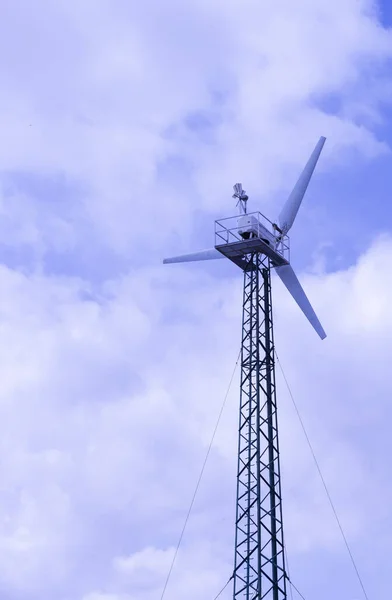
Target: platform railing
(227, 231)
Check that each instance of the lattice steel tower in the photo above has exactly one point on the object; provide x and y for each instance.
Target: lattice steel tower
(259, 563)
(256, 245)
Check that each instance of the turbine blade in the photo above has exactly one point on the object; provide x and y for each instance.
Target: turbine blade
(196, 256)
(291, 282)
(290, 209)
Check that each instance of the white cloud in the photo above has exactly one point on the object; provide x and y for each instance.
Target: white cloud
(103, 596)
(105, 103)
(118, 122)
(91, 465)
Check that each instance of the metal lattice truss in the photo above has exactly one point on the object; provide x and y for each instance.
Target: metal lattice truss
(259, 569)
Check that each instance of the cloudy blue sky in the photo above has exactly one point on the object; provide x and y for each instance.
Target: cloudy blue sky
(124, 126)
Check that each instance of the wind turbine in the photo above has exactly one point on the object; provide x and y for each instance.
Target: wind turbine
(256, 245)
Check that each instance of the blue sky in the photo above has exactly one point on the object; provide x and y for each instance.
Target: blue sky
(124, 128)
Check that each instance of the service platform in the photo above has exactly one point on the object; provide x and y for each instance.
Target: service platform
(239, 237)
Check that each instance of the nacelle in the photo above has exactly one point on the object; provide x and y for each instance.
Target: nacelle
(250, 227)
